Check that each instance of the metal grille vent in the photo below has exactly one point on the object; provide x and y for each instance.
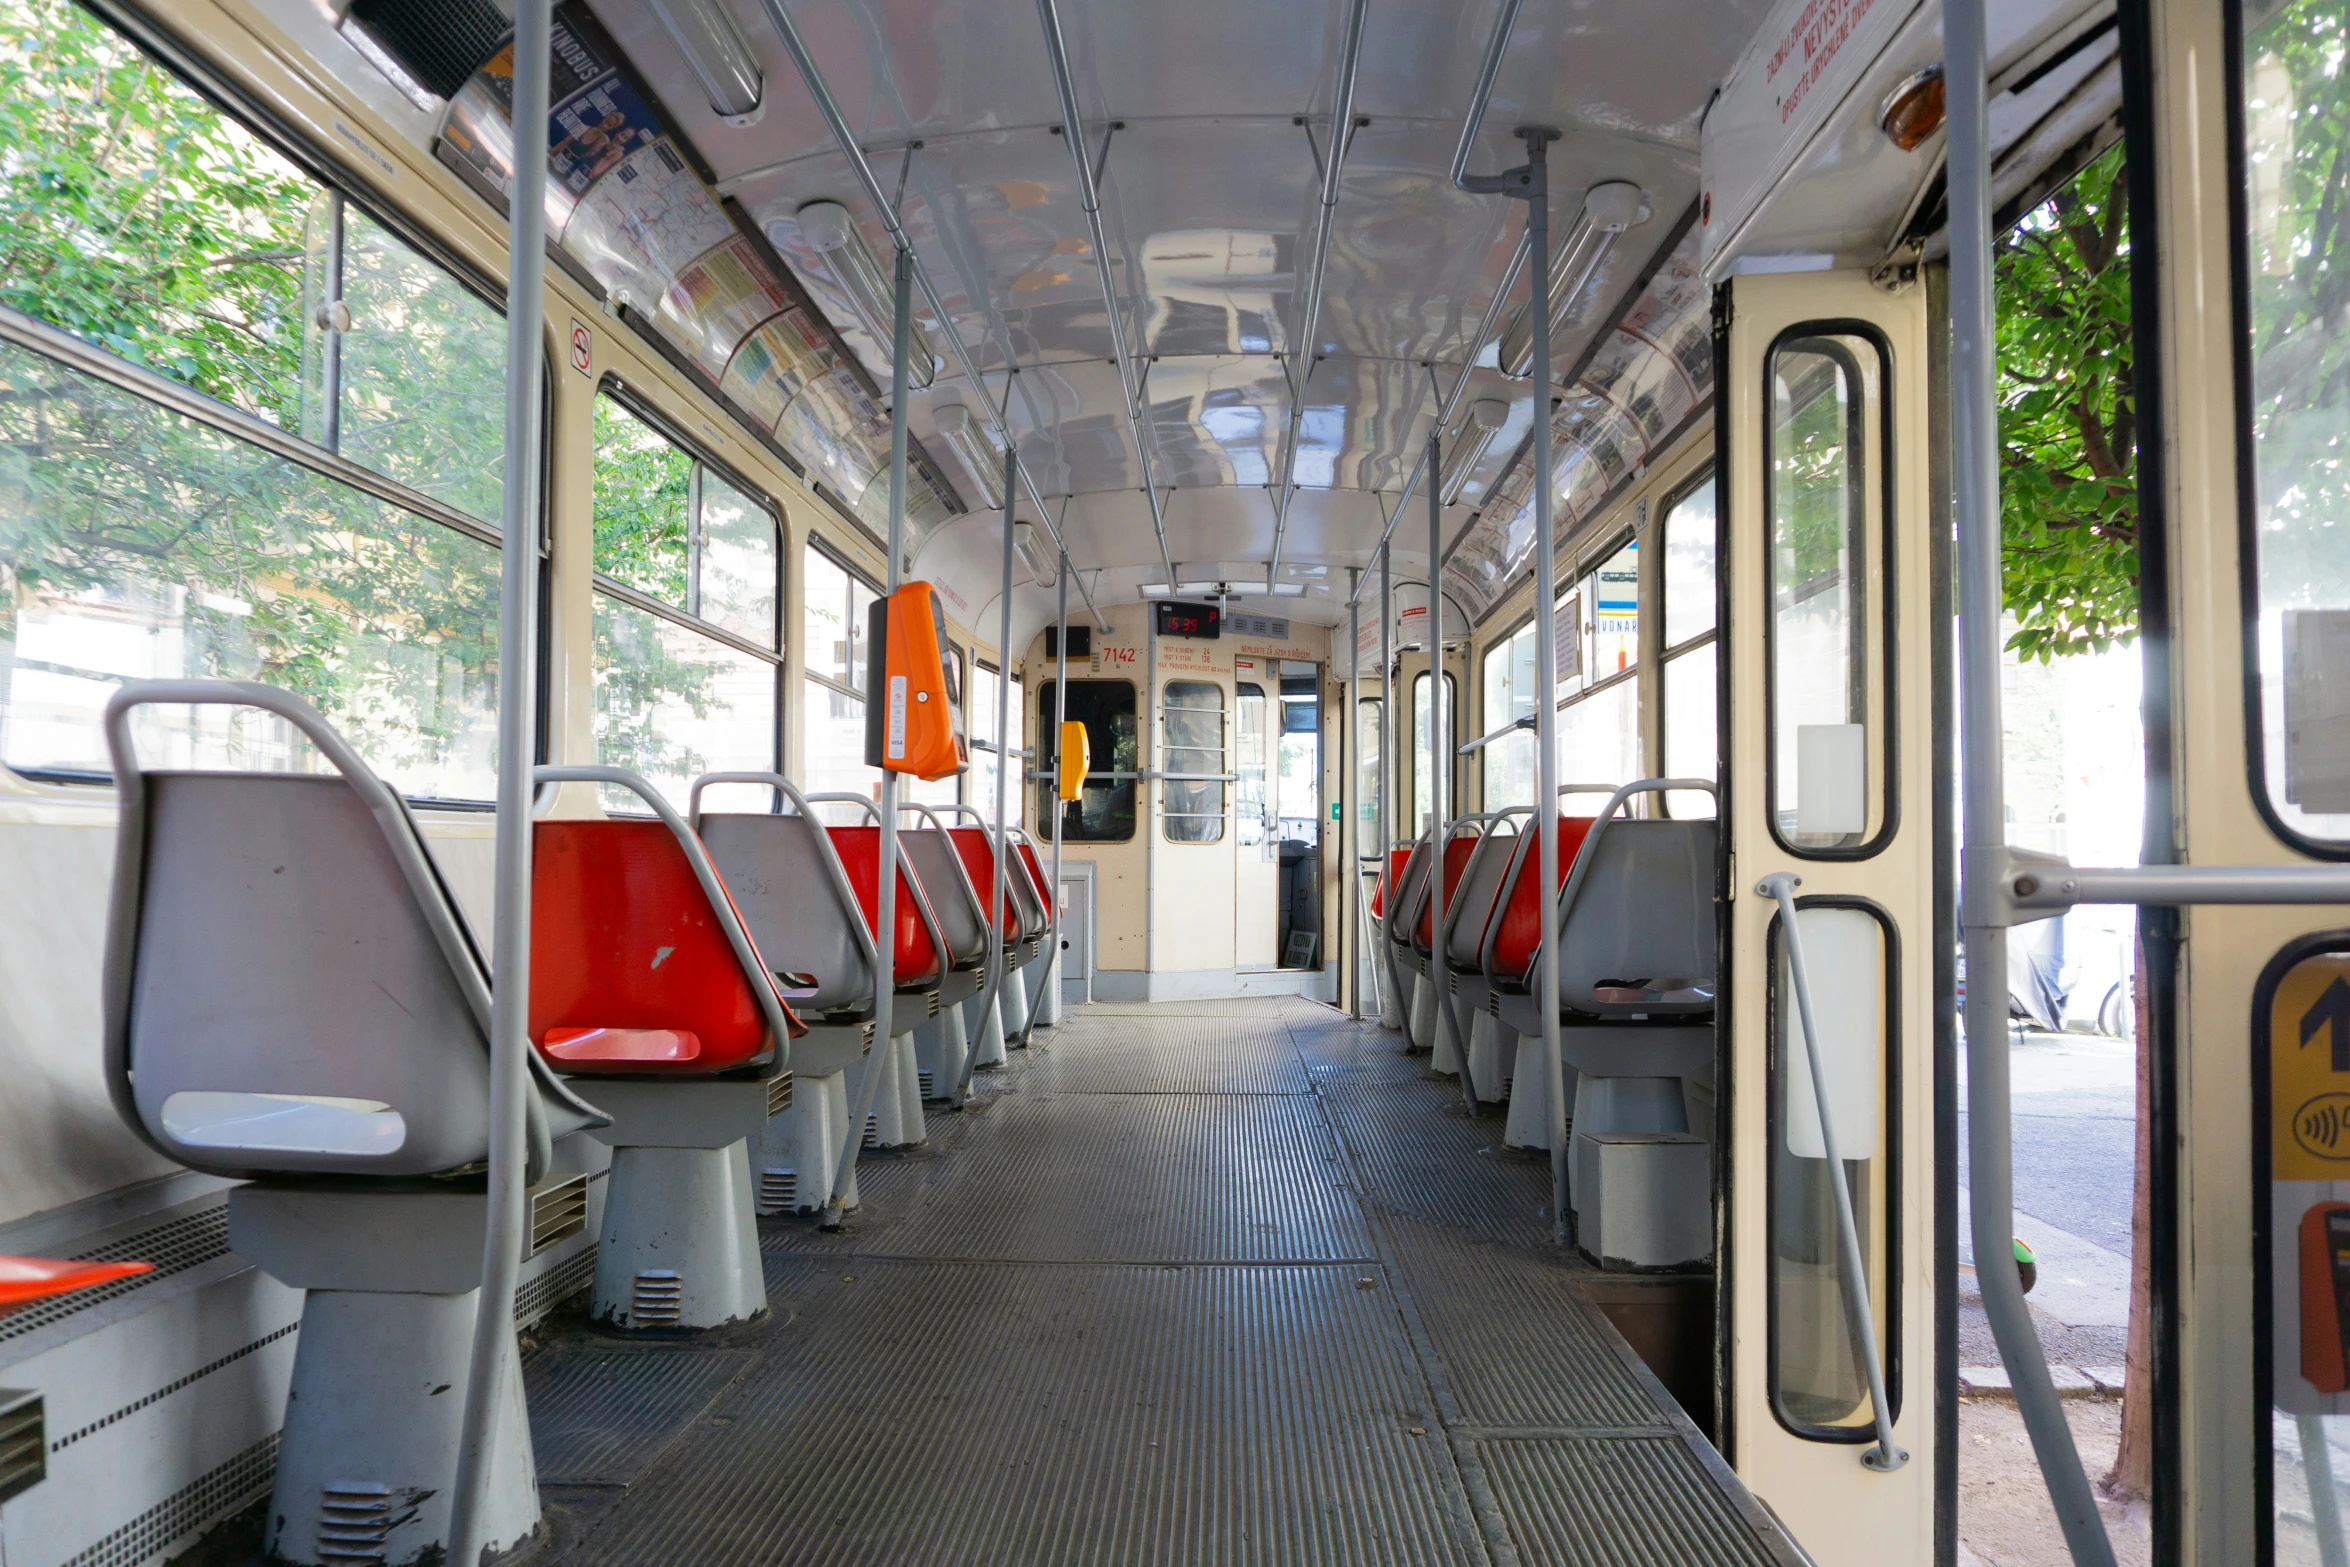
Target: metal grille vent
(873, 1131)
(24, 1446)
(215, 1494)
(778, 1188)
(928, 1080)
(1257, 626)
(779, 1093)
(354, 1520)
(174, 1246)
(658, 1299)
(558, 1211)
(169, 1388)
(559, 1283)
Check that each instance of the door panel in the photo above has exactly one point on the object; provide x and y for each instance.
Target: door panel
(1828, 775)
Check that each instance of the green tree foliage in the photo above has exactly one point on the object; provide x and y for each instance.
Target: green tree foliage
(135, 215)
(644, 490)
(2068, 419)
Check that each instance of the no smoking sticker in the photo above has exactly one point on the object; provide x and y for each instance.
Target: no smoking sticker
(583, 346)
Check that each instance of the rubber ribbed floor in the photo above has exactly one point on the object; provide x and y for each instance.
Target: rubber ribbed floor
(1232, 1282)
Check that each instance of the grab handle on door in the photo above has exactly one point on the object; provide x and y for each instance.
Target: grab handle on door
(1851, 1276)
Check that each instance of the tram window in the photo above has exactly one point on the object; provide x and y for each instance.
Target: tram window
(1599, 740)
(1422, 806)
(1825, 668)
(833, 600)
(1692, 741)
(1508, 681)
(419, 359)
(687, 664)
(2295, 267)
(1191, 727)
(1368, 716)
(138, 543)
(1611, 604)
(1817, 1386)
(1104, 809)
(1252, 760)
(983, 747)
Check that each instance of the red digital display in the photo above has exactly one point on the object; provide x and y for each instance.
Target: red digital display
(1190, 620)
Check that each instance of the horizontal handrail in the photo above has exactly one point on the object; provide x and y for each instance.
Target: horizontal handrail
(1523, 725)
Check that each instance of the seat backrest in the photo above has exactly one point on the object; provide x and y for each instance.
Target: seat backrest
(631, 967)
(961, 916)
(1467, 916)
(1397, 859)
(797, 903)
(289, 988)
(914, 952)
(1411, 885)
(1039, 882)
(1458, 846)
(1510, 939)
(1637, 935)
(976, 850)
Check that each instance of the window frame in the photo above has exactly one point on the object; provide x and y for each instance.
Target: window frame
(638, 406)
(1227, 716)
(227, 97)
(1711, 636)
(2247, 476)
(1882, 619)
(1887, 1222)
(1046, 770)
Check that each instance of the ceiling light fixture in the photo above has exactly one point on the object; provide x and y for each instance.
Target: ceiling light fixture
(1913, 111)
(1043, 565)
(715, 52)
(1609, 209)
(1486, 417)
(973, 450)
(827, 226)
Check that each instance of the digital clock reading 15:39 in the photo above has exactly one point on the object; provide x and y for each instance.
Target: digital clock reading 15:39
(1190, 620)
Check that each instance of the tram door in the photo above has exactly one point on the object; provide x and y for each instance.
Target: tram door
(1829, 776)
(1256, 880)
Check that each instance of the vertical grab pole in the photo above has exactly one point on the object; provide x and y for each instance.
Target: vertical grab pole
(1974, 433)
(1440, 770)
(1854, 1279)
(1387, 761)
(518, 595)
(1350, 833)
(1060, 717)
(996, 973)
(1546, 855)
(885, 897)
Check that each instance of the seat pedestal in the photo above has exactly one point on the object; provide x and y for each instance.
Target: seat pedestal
(1529, 1122)
(1444, 1041)
(1639, 1182)
(1492, 1055)
(1015, 1007)
(1396, 994)
(1048, 998)
(680, 1247)
(1421, 1034)
(895, 1118)
(800, 1148)
(990, 1046)
(378, 1393)
(939, 1046)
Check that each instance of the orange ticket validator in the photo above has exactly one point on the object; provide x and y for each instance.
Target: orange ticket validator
(1076, 758)
(913, 699)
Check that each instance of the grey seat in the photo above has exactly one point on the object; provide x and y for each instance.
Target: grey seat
(794, 894)
(289, 987)
(291, 996)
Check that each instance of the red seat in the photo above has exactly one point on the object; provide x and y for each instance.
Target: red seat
(630, 968)
(1456, 860)
(1395, 864)
(916, 962)
(978, 855)
(1037, 876)
(1521, 915)
(24, 1280)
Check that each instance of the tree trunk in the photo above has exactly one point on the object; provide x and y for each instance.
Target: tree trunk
(2132, 1475)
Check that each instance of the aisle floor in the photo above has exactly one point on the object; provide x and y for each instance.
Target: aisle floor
(1216, 1282)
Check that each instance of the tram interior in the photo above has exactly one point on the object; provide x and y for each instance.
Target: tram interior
(1139, 1131)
